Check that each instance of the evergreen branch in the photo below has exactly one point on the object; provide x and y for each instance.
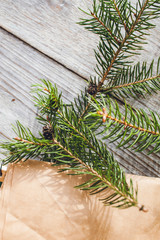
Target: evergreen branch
(134, 128)
(103, 180)
(96, 184)
(122, 102)
(119, 13)
(111, 57)
(47, 103)
(108, 59)
(121, 46)
(99, 181)
(72, 127)
(28, 142)
(103, 23)
(68, 141)
(140, 13)
(110, 66)
(84, 112)
(74, 145)
(131, 84)
(105, 116)
(77, 159)
(134, 81)
(109, 31)
(80, 134)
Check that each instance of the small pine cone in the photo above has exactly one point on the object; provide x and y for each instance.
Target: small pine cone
(92, 89)
(48, 132)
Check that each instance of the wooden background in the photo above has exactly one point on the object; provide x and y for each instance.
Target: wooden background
(40, 39)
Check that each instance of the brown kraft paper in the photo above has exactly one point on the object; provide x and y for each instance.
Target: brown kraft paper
(37, 203)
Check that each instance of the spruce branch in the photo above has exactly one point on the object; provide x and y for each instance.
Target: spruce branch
(90, 144)
(101, 181)
(133, 128)
(73, 145)
(128, 44)
(105, 116)
(119, 12)
(68, 139)
(134, 81)
(109, 31)
(107, 19)
(97, 183)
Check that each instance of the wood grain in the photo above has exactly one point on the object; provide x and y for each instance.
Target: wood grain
(46, 43)
(50, 26)
(22, 66)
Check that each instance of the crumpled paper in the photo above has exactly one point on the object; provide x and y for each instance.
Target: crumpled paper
(37, 203)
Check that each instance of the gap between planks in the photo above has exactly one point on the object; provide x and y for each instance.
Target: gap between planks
(128, 160)
(38, 50)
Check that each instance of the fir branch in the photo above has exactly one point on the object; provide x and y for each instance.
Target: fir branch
(110, 32)
(126, 124)
(72, 141)
(130, 201)
(131, 30)
(47, 103)
(74, 145)
(134, 128)
(130, 84)
(89, 143)
(108, 53)
(111, 58)
(120, 14)
(134, 81)
(28, 142)
(121, 196)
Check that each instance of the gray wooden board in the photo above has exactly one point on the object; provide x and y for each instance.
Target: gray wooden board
(49, 26)
(22, 66)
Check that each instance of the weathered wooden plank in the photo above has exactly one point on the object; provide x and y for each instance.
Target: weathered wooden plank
(21, 66)
(50, 26)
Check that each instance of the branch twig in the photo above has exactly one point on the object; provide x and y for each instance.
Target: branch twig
(115, 57)
(105, 116)
(129, 84)
(116, 39)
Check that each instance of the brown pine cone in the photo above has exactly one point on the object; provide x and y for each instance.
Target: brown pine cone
(48, 132)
